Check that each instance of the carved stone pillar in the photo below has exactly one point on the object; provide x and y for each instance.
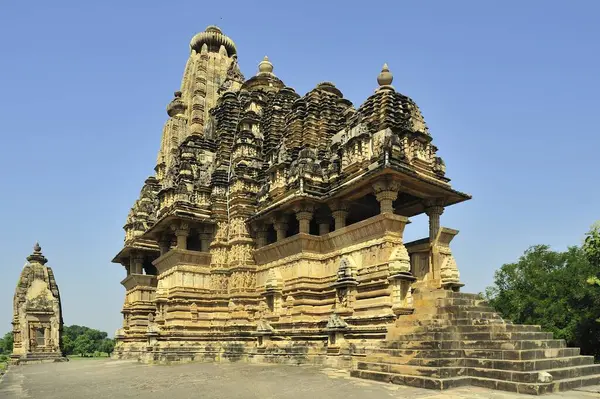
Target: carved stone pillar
(386, 192)
(434, 210)
(323, 217)
(164, 244)
(136, 263)
(339, 211)
(205, 237)
(281, 225)
(127, 267)
(182, 232)
(304, 214)
(262, 230)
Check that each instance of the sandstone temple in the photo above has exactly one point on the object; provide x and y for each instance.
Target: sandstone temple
(37, 318)
(272, 231)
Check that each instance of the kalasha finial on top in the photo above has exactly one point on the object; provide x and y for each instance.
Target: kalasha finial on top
(37, 256)
(265, 67)
(385, 77)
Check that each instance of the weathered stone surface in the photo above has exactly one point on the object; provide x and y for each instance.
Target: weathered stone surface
(98, 379)
(37, 318)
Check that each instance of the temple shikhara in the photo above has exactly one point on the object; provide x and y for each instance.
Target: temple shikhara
(37, 317)
(272, 230)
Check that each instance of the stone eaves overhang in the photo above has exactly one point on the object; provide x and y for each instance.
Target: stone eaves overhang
(138, 244)
(359, 185)
(176, 214)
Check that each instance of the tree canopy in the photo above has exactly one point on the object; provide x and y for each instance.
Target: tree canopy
(85, 341)
(6, 344)
(557, 290)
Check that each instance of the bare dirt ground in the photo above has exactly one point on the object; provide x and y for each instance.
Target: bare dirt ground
(107, 379)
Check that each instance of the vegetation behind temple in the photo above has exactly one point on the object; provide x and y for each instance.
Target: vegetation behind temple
(77, 340)
(558, 290)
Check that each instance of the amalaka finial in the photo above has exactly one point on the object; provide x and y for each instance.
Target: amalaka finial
(385, 77)
(265, 66)
(37, 256)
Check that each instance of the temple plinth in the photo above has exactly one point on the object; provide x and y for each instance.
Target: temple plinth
(37, 319)
(273, 229)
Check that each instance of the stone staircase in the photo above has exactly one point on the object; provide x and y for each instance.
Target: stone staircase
(456, 339)
(39, 357)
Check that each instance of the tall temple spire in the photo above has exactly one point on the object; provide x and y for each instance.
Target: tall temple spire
(212, 60)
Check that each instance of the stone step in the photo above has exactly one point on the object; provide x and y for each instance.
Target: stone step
(418, 353)
(454, 359)
(477, 344)
(527, 354)
(473, 336)
(461, 301)
(486, 354)
(412, 380)
(563, 379)
(574, 383)
(511, 386)
(533, 376)
(48, 355)
(582, 370)
(477, 379)
(513, 344)
(457, 309)
(406, 369)
(498, 327)
(423, 293)
(448, 361)
(454, 322)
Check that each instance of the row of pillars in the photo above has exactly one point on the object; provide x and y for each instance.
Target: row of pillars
(181, 231)
(386, 192)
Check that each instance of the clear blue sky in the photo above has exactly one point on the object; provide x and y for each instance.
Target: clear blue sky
(510, 91)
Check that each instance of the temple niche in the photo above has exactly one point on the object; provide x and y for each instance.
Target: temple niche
(37, 320)
(272, 230)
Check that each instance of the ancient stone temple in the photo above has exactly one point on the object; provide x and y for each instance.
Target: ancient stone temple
(272, 230)
(37, 321)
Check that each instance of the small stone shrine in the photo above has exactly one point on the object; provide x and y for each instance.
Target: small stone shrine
(37, 320)
(272, 231)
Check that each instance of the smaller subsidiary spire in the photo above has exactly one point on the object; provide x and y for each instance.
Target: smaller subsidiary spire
(385, 77)
(265, 67)
(176, 106)
(37, 256)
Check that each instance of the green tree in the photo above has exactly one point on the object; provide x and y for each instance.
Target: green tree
(591, 247)
(68, 345)
(551, 289)
(84, 345)
(107, 346)
(6, 344)
(72, 333)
